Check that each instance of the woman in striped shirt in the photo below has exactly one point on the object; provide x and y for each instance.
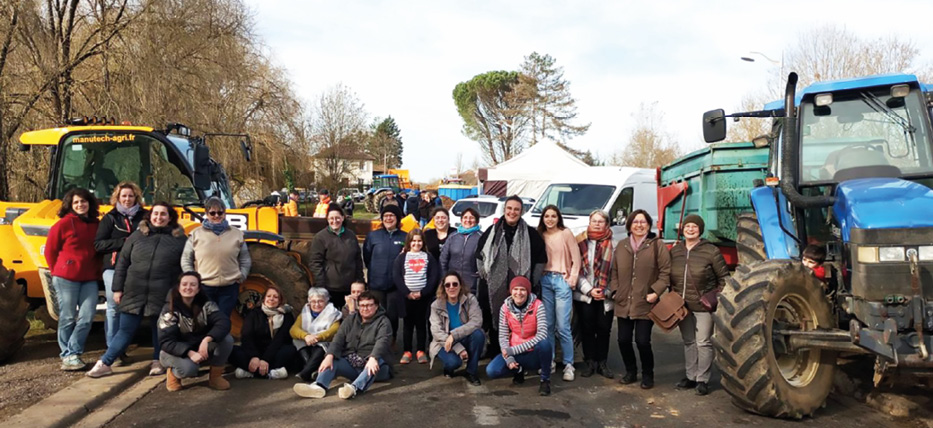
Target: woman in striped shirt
(416, 274)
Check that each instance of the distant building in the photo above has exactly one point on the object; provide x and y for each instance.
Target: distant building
(354, 168)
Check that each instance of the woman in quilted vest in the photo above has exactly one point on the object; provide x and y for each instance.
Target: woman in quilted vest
(697, 267)
(523, 337)
(641, 271)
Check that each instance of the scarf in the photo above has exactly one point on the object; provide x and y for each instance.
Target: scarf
(467, 230)
(602, 257)
(217, 228)
(636, 243)
(128, 212)
(316, 324)
(276, 316)
(500, 259)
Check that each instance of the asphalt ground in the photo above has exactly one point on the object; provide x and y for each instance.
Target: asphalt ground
(419, 397)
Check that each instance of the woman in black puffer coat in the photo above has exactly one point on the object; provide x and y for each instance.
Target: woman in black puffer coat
(147, 268)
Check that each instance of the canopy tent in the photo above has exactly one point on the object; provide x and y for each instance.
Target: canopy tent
(528, 174)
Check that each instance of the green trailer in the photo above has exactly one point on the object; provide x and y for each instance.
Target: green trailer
(713, 182)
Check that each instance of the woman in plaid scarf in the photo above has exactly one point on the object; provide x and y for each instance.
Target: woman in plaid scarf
(593, 306)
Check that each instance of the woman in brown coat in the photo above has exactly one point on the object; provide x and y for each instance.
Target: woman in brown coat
(697, 267)
(640, 273)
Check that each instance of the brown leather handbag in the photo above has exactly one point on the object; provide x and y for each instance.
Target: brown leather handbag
(669, 311)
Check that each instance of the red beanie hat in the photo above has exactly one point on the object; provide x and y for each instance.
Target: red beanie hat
(520, 281)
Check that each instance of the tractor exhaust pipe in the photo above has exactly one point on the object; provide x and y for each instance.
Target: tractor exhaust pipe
(790, 154)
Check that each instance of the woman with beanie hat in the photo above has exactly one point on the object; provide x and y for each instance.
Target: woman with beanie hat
(380, 249)
(697, 267)
(523, 337)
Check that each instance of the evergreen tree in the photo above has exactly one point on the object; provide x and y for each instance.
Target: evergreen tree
(552, 109)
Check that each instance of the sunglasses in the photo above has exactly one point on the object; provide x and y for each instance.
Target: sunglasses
(215, 213)
(451, 284)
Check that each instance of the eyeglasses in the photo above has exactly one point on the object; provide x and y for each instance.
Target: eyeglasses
(451, 284)
(367, 305)
(215, 213)
(639, 222)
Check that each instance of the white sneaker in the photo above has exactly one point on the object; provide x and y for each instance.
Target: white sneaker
(156, 369)
(99, 370)
(347, 391)
(309, 390)
(279, 373)
(568, 373)
(242, 374)
(72, 363)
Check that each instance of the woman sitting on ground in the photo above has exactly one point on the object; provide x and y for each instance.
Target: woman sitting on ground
(313, 330)
(192, 330)
(265, 347)
(457, 327)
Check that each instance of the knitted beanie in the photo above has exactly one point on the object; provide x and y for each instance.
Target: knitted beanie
(697, 220)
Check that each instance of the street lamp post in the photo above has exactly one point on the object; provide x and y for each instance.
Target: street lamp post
(766, 57)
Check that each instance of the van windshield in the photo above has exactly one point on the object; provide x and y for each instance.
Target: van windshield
(575, 199)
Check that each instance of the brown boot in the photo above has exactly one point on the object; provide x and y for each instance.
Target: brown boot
(172, 383)
(217, 380)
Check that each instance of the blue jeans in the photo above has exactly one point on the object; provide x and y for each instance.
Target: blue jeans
(362, 380)
(224, 296)
(474, 346)
(558, 302)
(128, 325)
(77, 303)
(112, 320)
(539, 357)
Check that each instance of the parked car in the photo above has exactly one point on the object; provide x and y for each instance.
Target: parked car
(490, 209)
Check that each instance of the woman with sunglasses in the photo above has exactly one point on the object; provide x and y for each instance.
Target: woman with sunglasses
(218, 253)
(457, 327)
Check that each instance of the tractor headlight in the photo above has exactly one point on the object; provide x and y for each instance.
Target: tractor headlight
(891, 254)
(926, 253)
(36, 230)
(868, 254)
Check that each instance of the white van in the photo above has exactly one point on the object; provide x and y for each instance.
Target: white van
(616, 190)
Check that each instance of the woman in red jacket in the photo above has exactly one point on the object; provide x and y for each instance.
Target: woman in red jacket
(75, 268)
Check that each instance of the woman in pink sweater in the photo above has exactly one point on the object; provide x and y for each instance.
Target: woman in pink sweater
(559, 281)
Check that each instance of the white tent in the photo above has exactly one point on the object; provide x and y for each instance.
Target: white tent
(529, 173)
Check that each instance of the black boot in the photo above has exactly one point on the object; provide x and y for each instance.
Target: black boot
(647, 380)
(545, 388)
(630, 377)
(686, 384)
(589, 367)
(519, 378)
(603, 369)
(702, 388)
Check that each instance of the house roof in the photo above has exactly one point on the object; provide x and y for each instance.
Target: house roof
(347, 154)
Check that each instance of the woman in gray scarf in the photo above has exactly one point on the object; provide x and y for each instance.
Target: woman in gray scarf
(508, 249)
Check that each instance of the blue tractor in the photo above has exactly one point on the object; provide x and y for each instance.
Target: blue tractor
(381, 184)
(852, 174)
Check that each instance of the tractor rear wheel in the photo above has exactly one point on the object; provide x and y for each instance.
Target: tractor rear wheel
(749, 243)
(377, 201)
(271, 266)
(13, 322)
(758, 370)
(368, 202)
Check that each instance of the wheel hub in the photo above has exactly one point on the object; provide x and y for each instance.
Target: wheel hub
(797, 367)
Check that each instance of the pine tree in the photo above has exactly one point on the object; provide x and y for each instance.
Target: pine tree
(552, 108)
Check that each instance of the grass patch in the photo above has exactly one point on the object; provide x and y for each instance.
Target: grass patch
(36, 327)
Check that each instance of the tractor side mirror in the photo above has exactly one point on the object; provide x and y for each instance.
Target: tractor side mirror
(202, 167)
(247, 150)
(714, 125)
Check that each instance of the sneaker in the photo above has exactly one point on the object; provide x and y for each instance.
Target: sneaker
(72, 363)
(686, 384)
(309, 390)
(448, 373)
(628, 378)
(279, 373)
(99, 370)
(242, 374)
(473, 380)
(347, 391)
(702, 388)
(545, 388)
(568, 373)
(603, 369)
(589, 368)
(519, 378)
(156, 369)
(406, 358)
(422, 357)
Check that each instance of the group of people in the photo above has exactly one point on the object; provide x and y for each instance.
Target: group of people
(507, 293)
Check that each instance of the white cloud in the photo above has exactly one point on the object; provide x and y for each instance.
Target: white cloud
(403, 58)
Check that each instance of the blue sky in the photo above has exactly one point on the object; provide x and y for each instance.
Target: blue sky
(403, 58)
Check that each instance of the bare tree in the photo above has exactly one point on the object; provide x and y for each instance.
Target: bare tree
(747, 129)
(649, 145)
(339, 127)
